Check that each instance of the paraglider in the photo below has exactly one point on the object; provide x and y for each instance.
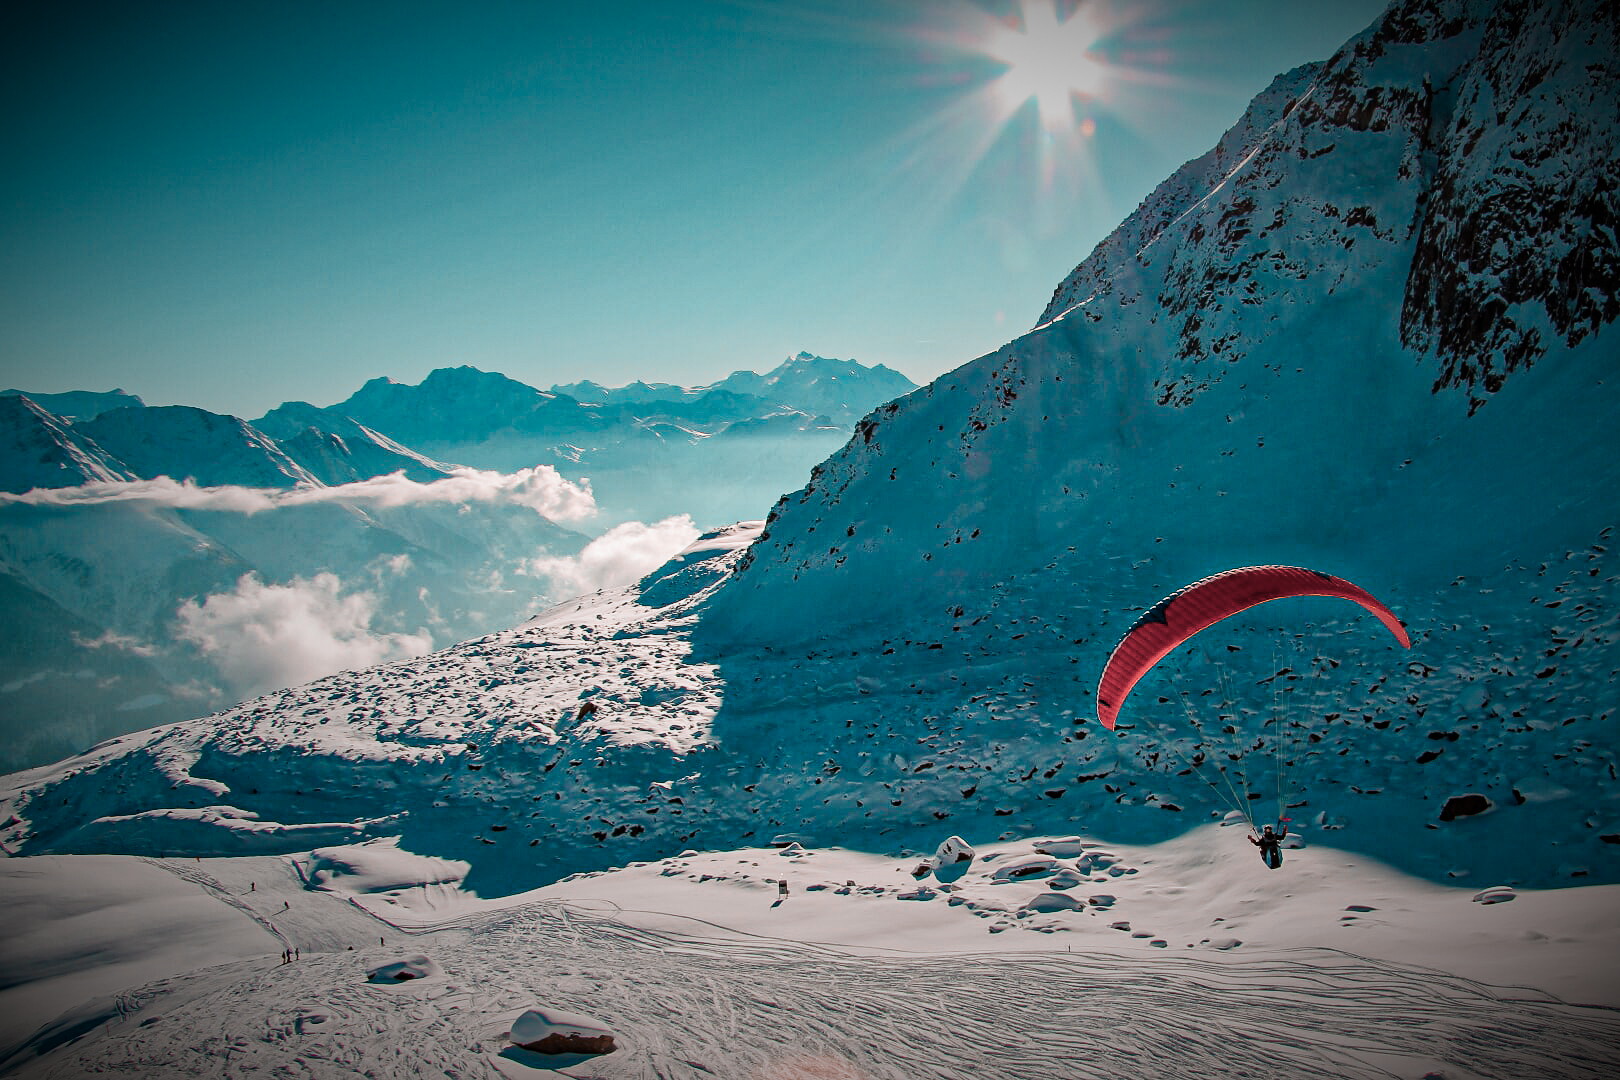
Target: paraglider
(1200, 605)
(1270, 845)
(1179, 617)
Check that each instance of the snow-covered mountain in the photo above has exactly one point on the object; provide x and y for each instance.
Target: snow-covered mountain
(40, 449)
(843, 390)
(79, 404)
(1324, 343)
(129, 611)
(102, 577)
(183, 442)
(648, 449)
(114, 527)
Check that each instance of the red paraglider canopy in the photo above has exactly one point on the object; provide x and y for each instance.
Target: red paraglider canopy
(1182, 614)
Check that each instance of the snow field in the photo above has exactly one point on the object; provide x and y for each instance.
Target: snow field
(702, 969)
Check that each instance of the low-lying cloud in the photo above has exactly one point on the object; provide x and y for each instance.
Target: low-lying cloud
(618, 557)
(262, 637)
(540, 488)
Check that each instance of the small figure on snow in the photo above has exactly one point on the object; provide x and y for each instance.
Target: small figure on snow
(1270, 845)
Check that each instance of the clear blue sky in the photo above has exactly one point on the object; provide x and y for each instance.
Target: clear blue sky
(232, 205)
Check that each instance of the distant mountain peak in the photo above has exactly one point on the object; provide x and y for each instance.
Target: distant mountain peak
(181, 441)
(79, 404)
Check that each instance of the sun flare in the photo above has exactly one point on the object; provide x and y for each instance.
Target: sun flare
(1048, 60)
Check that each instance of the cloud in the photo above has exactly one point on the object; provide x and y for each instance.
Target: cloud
(619, 556)
(262, 637)
(540, 488)
(112, 640)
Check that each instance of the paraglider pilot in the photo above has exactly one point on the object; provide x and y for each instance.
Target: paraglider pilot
(1270, 845)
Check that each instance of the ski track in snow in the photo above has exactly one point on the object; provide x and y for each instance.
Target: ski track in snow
(693, 1005)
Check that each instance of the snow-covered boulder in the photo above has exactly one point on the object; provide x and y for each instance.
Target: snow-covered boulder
(1029, 866)
(953, 850)
(1053, 901)
(1065, 879)
(408, 969)
(1095, 860)
(953, 859)
(544, 1030)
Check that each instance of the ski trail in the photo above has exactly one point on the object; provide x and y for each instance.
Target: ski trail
(214, 888)
(690, 1005)
(299, 917)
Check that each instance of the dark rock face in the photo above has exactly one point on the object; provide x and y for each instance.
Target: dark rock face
(1499, 197)
(1460, 806)
(1517, 235)
(559, 1042)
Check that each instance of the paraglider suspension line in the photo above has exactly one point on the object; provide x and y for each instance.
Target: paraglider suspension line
(1230, 796)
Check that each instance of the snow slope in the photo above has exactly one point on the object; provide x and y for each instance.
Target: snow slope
(1186, 959)
(599, 733)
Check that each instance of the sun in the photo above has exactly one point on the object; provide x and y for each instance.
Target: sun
(1048, 60)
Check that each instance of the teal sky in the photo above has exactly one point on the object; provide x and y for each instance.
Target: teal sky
(235, 205)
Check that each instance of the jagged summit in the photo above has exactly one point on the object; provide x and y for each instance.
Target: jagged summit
(449, 405)
(842, 390)
(1484, 178)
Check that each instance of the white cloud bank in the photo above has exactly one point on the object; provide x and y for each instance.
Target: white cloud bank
(617, 557)
(540, 488)
(263, 637)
